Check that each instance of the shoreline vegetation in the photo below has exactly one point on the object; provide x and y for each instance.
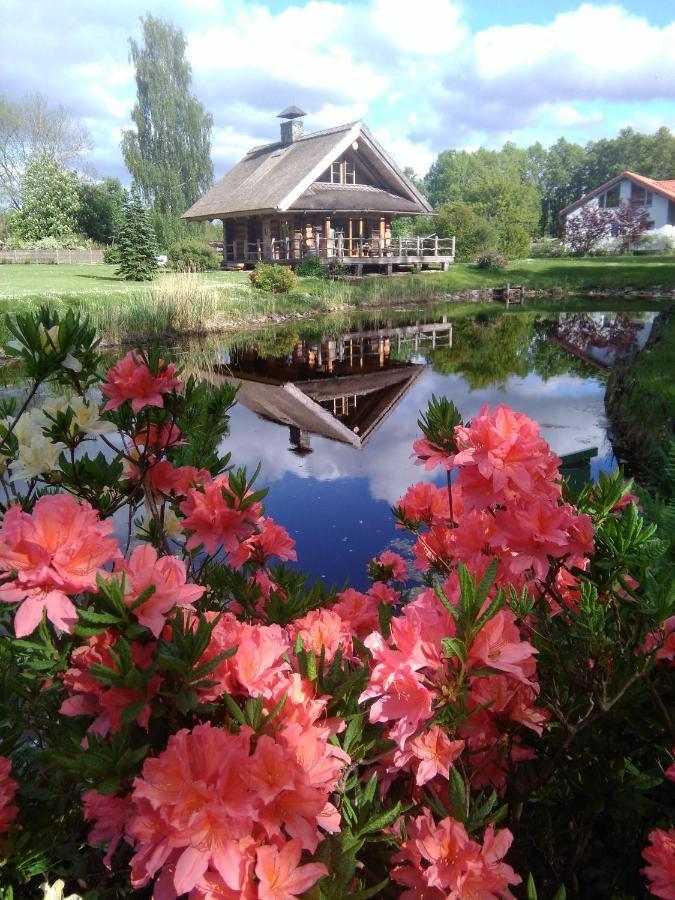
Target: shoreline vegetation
(195, 304)
(640, 406)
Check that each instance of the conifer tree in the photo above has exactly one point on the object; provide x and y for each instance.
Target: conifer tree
(137, 243)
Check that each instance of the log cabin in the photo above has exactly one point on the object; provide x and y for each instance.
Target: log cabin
(330, 194)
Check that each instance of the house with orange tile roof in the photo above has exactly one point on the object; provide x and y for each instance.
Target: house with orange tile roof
(656, 197)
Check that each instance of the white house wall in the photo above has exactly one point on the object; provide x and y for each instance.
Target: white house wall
(658, 213)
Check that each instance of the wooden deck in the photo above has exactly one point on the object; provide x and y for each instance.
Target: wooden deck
(356, 253)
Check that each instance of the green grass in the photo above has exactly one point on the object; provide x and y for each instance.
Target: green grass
(220, 300)
(640, 404)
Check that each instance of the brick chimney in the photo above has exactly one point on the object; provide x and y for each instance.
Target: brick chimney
(291, 127)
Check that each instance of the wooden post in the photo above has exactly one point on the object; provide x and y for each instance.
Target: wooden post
(360, 237)
(224, 242)
(436, 246)
(382, 232)
(453, 248)
(350, 232)
(326, 234)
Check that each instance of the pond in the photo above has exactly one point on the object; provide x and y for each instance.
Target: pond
(330, 409)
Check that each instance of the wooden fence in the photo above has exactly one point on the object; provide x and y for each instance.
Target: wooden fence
(90, 257)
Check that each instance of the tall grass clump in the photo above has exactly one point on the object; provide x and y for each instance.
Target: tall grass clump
(179, 304)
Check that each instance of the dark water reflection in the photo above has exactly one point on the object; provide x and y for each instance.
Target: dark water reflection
(330, 408)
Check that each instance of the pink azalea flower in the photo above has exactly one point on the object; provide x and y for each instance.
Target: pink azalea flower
(56, 552)
(394, 565)
(323, 631)
(215, 517)
(167, 575)
(498, 646)
(90, 697)
(109, 815)
(426, 503)
(280, 876)
(660, 854)
(8, 786)
(131, 379)
(435, 752)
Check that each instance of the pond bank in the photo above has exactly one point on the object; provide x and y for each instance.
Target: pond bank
(640, 405)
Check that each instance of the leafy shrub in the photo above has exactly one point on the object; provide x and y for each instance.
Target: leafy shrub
(182, 721)
(273, 279)
(310, 267)
(492, 261)
(548, 248)
(111, 255)
(335, 270)
(192, 255)
(513, 242)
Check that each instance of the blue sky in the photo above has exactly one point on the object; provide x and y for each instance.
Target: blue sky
(425, 76)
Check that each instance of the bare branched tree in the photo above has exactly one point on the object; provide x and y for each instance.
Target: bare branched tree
(34, 126)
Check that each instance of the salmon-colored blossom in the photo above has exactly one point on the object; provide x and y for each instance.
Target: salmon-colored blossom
(280, 876)
(393, 566)
(56, 552)
(130, 379)
(215, 516)
(324, 632)
(91, 697)
(660, 854)
(167, 576)
(434, 754)
(200, 806)
(109, 815)
(8, 786)
(443, 858)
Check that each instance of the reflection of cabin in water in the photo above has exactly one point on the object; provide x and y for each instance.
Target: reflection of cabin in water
(330, 194)
(339, 388)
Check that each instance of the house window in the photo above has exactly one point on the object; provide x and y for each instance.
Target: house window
(671, 212)
(342, 172)
(601, 201)
(613, 197)
(638, 196)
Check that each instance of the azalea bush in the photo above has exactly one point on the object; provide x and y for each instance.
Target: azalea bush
(183, 714)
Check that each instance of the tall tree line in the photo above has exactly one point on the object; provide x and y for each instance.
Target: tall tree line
(528, 187)
(168, 151)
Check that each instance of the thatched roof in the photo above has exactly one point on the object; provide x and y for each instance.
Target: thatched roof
(276, 177)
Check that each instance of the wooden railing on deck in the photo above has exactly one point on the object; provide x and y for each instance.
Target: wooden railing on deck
(340, 247)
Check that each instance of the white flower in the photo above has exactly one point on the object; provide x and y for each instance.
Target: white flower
(36, 458)
(55, 891)
(88, 419)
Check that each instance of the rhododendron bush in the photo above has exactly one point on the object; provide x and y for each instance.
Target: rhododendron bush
(184, 714)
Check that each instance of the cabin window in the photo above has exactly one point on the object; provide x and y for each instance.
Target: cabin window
(343, 172)
(613, 197)
(671, 212)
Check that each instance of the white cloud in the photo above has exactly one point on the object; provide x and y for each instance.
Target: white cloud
(431, 28)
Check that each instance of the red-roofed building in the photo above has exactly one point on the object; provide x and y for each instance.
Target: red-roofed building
(656, 197)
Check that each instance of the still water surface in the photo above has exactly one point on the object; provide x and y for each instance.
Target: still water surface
(330, 409)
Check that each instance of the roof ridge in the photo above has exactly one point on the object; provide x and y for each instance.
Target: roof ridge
(304, 137)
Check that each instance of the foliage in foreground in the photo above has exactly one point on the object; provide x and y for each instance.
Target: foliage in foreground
(179, 714)
(192, 255)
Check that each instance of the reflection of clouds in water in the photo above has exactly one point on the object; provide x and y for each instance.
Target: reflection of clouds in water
(570, 410)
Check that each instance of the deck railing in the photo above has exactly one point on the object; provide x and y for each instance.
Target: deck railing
(340, 247)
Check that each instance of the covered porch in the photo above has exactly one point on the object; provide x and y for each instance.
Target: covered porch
(353, 240)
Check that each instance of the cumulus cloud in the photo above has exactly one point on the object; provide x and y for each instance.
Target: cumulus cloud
(418, 74)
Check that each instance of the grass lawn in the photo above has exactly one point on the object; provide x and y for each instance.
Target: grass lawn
(574, 275)
(180, 304)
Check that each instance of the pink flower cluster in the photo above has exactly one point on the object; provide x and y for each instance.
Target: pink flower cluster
(411, 679)
(91, 697)
(441, 862)
(8, 786)
(130, 379)
(506, 503)
(215, 807)
(660, 856)
(50, 556)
